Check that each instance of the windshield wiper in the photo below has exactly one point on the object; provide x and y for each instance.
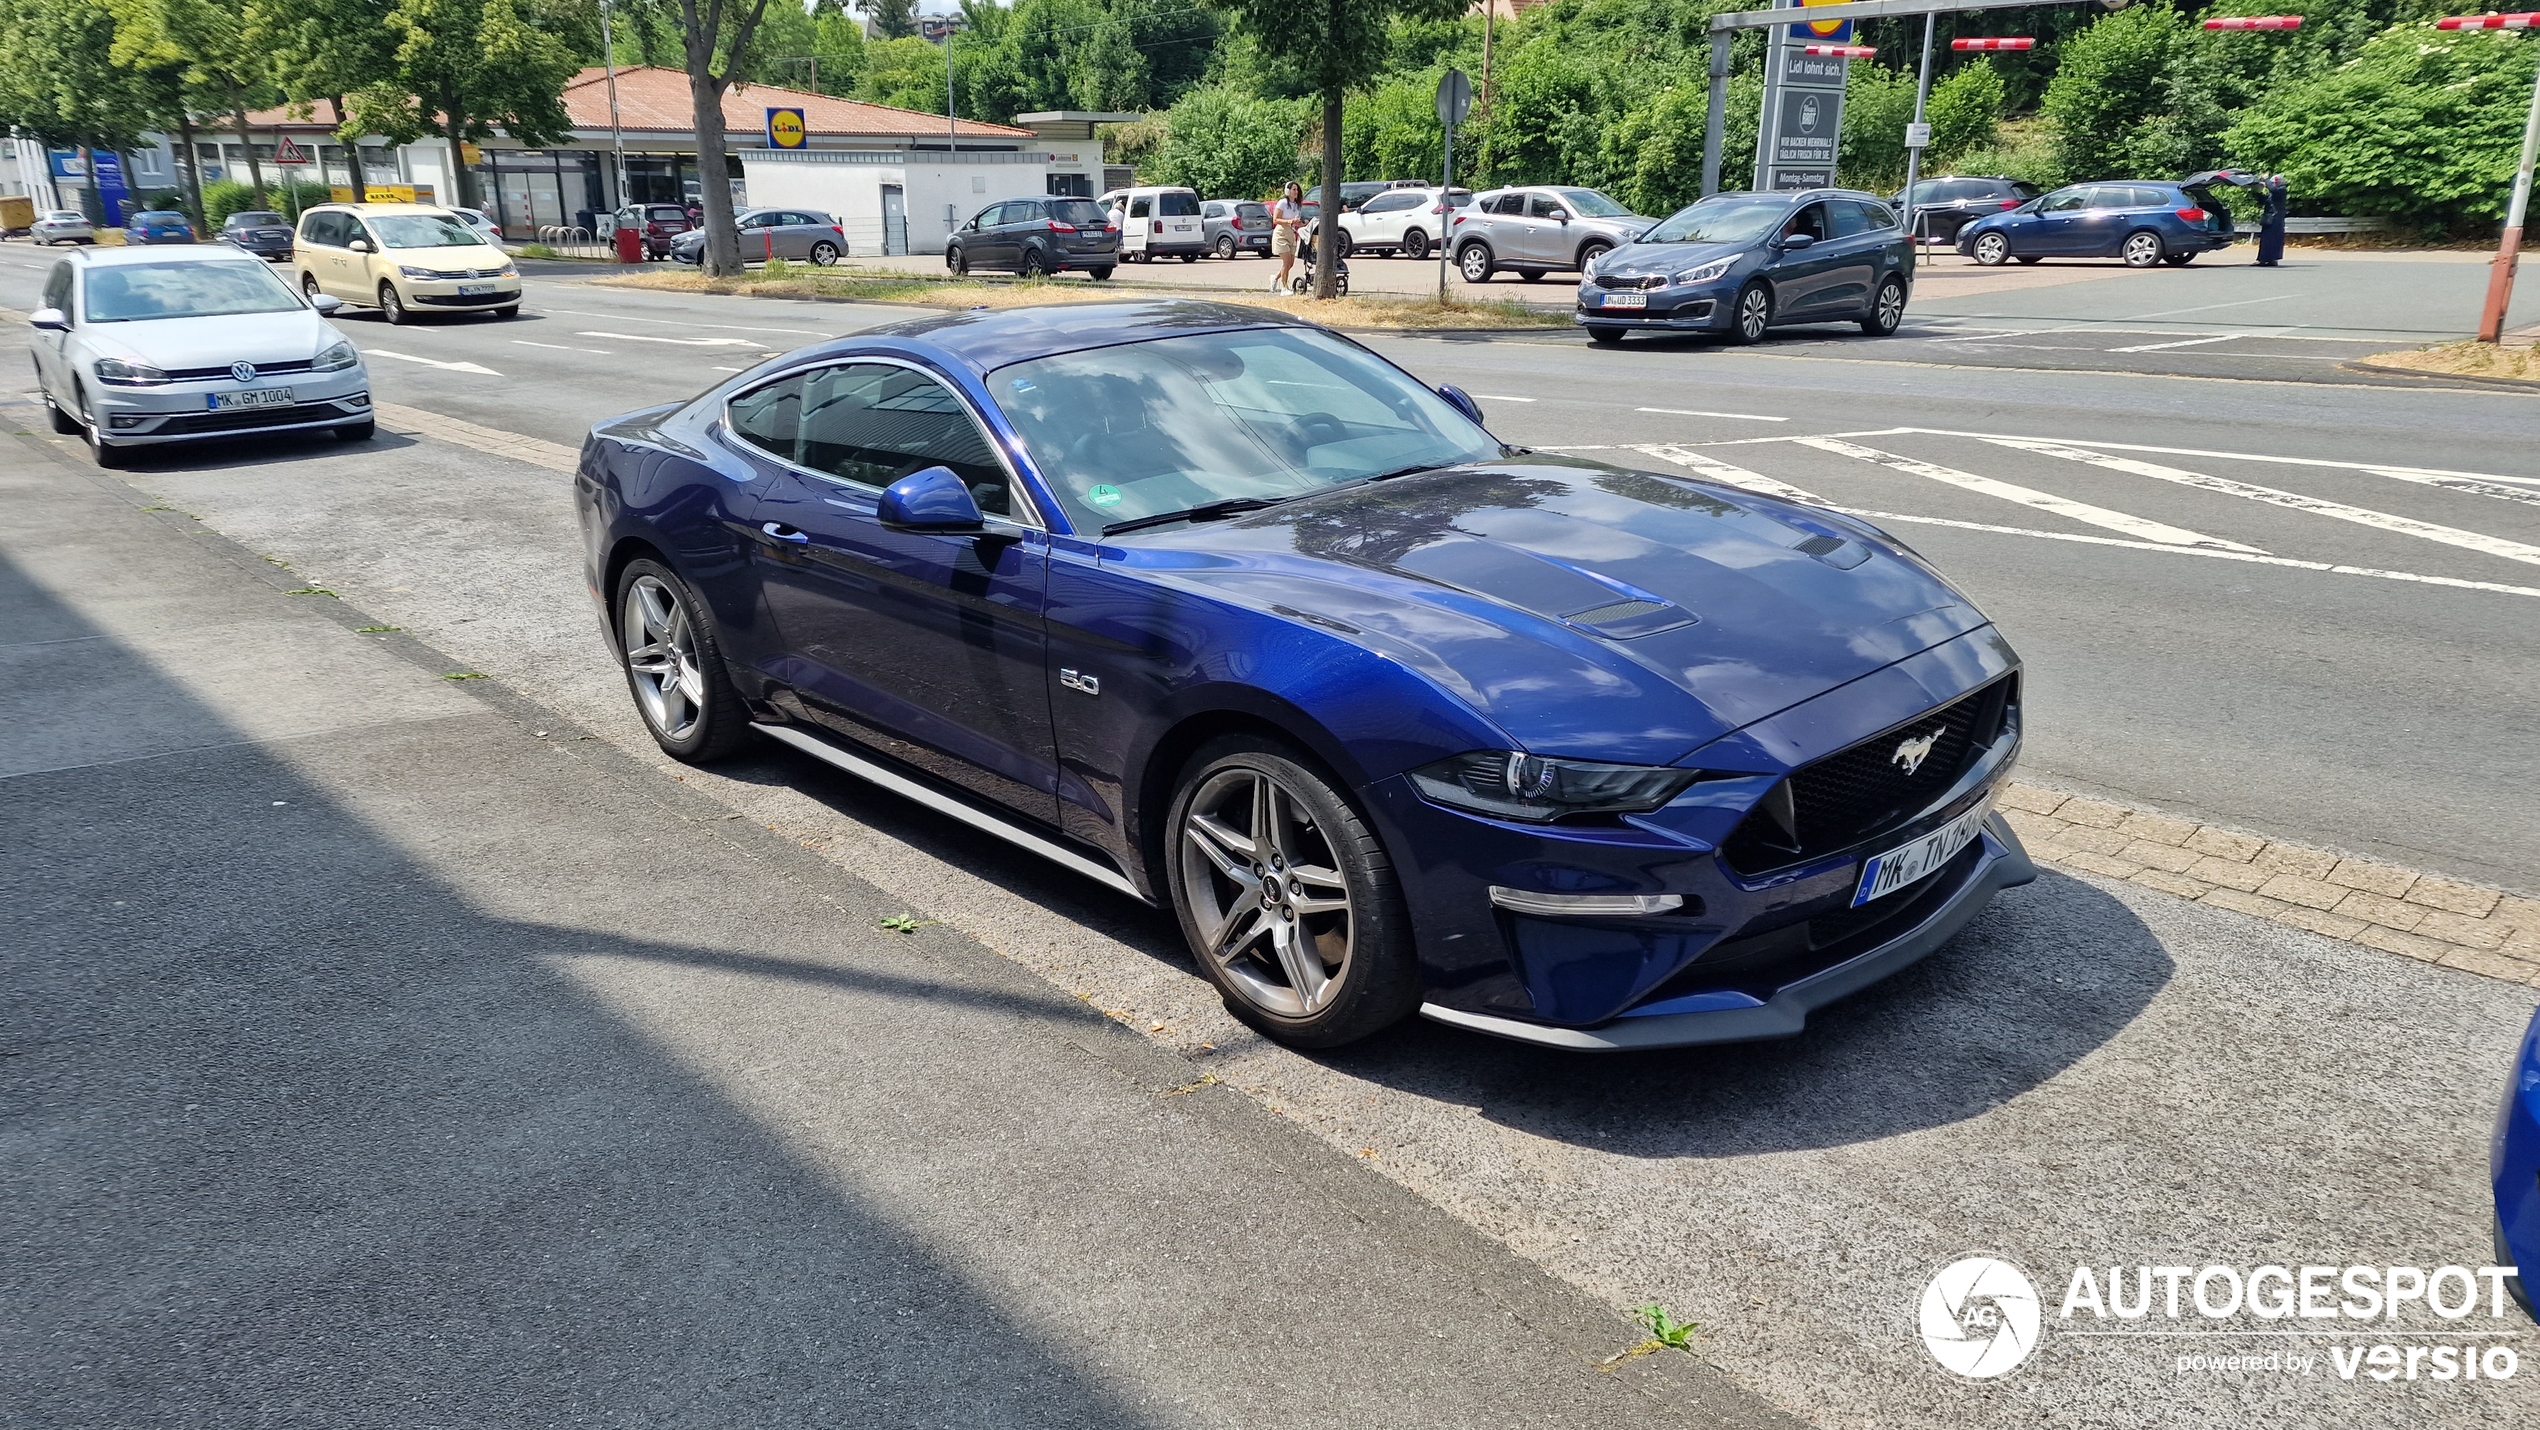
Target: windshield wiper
(1410, 471)
(1205, 511)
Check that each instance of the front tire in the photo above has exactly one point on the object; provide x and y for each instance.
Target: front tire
(1753, 316)
(1590, 252)
(1887, 310)
(2142, 249)
(1606, 337)
(63, 422)
(958, 262)
(1286, 897)
(1475, 263)
(391, 306)
(1991, 250)
(1226, 246)
(674, 666)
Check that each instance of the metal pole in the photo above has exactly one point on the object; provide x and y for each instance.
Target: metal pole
(2500, 278)
(1914, 152)
(1446, 207)
(1714, 122)
(617, 133)
(950, 132)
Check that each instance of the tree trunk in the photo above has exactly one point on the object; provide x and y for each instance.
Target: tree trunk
(722, 255)
(352, 154)
(1327, 224)
(247, 141)
(193, 170)
(453, 129)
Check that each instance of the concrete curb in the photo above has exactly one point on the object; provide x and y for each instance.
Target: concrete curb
(2404, 911)
(2499, 384)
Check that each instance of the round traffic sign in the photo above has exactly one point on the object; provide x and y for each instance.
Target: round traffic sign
(1455, 98)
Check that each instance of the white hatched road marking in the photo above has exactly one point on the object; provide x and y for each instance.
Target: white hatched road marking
(2379, 469)
(2139, 528)
(683, 342)
(676, 323)
(558, 347)
(1692, 412)
(1739, 476)
(2295, 501)
(2182, 343)
(1492, 397)
(431, 362)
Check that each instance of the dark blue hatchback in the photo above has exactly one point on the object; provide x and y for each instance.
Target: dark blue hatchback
(2141, 221)
(1233, 616)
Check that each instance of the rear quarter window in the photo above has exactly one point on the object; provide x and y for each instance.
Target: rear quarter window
(1177, 205)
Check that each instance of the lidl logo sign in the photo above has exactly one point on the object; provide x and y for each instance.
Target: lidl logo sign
(784, 129)
(1837, 31)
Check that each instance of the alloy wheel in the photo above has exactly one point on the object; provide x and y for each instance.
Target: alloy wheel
(389, 305)
(1889, 315)
(1415, 245)
(1754, 313)
(2142, 250)
(1991, 249)
(1265, 887)
(1475, 263)
(1225, 245)
(661, 653)
(824, 254)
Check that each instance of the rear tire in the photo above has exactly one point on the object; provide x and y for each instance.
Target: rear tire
(1099, 274)
(959, 262)
(1034, 265)
(1530, 275)
(824, 254)
(1190, 258)
(2029, 258)
(2141, 249)
(1286, 896)
(674, 666)
(2178, 260)
(1415, 244)
(1887, 310)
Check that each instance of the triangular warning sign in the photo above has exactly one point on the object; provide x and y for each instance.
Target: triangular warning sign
(287, 152)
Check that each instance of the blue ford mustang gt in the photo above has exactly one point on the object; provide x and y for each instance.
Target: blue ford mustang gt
(1231, 614)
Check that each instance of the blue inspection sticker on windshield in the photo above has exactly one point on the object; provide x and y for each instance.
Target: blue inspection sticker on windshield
(1021, 384)
(1105, 495)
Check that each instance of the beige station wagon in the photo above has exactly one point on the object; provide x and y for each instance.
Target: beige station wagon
(403, 259)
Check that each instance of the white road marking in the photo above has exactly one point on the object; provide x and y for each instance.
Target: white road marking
(431, 362)
(2295, 501)
(2187, 343)
(2462, 484)
(1692, 412)
(2456, 481)
(559, 347)
(2139, 528)
(718, 367)
(1495, 397)
(677, 323)
(1720, 471)
(683, 342)
(2207, 307)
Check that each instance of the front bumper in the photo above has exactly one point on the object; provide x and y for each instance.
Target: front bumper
(429, 293)
(183, 411)
(1995, 861)
(1704, 309)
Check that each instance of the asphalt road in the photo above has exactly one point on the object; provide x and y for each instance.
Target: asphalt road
(2093, 1073)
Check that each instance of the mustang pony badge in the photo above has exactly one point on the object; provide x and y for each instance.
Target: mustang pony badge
(1913, 752)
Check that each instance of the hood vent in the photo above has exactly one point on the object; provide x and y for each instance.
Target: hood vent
(1623, 620)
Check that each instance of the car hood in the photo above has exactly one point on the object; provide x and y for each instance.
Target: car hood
(449, 256)
(1587, 610)
(1626, 228)
(1651, 260)
(296, 335)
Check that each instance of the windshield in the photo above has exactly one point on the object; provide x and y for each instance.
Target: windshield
(424, 231)
(130, 292)
(1588, 203)
(1740, 219)
(255, 220)
(1084, 213)
(1162, 426)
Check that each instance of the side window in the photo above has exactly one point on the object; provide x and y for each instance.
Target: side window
(2111, 196)
(1022, 213)
(1138, 207)
(1810, 222)
(1845, 219)
(352, 228)
(1855, 216)
(314, 227)
(872, 424)
(57, 287)
(1544, 206)
(2064, 201)
(2155, 199)
(1509, 204)
(769, 418)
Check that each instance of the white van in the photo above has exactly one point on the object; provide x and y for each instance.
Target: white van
(1157, 223)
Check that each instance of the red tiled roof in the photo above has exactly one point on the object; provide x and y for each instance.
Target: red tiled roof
(656, 100)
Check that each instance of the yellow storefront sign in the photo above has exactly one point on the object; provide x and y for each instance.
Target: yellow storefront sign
(785, 129)
(384, 194)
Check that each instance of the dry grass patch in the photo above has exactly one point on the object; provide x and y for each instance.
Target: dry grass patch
(884, 286)
(2467, 359)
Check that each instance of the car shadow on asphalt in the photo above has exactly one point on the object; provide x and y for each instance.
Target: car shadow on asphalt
(302, 1116)
(213, 454)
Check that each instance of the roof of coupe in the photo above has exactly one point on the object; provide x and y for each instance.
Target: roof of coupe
(986, 339)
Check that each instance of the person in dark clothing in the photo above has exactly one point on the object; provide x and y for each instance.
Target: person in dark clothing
(2271, 221)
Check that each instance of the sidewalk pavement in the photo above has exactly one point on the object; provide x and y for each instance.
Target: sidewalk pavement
(385, 1050)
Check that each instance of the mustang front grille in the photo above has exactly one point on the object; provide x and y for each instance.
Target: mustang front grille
(1865, 790)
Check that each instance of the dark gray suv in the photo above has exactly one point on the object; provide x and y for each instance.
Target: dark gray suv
(1740, 264)
(1035, 236)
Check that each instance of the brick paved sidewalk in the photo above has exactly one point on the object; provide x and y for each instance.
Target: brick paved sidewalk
(2380, 906)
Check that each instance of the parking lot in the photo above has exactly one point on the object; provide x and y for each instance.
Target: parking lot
(2213, 592)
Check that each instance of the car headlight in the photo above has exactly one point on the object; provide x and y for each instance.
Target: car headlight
(410, 271)
(1716, 268)
(1510, 784)
(128, 374)
(336, 359)
(507, 271)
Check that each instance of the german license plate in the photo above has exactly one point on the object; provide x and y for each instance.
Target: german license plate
(1626, 300)
(260, 397)
(1886, 873)
(475, 290)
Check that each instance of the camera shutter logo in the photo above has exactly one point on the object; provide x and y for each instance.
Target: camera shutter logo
(1980, 1317)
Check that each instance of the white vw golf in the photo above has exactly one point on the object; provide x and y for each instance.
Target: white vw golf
(137, 347)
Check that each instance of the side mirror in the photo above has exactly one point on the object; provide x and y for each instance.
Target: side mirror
(1461, 401)
(325, 303)
(1560, 215)
(51, 320)
(359, 245)
(930, 499)
(1793, 242)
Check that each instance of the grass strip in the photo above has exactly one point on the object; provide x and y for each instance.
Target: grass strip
(2467, 358)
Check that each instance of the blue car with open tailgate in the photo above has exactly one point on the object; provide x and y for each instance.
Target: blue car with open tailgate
(1232, 615)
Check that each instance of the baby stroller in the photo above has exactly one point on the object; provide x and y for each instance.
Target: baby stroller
(1303, 282)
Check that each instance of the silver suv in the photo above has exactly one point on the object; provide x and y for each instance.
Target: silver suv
(1535, 231)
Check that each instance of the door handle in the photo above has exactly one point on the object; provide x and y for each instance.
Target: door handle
(782, 532)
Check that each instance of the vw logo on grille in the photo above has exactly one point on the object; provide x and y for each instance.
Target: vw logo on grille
(243, 371)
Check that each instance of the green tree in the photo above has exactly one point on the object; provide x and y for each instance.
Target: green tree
(2422, 126)
(2109, 80)
(209, 47)
(1965, 112)
(892, 19)
(1227, 144)
(461, 69)
(1338, 46)
(712, 31)
(1654, 155)
(1878, 103)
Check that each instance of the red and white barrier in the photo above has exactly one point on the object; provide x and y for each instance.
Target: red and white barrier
(2257, 22)
(1840, 52)
(2007, 42)
(2523, 21)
